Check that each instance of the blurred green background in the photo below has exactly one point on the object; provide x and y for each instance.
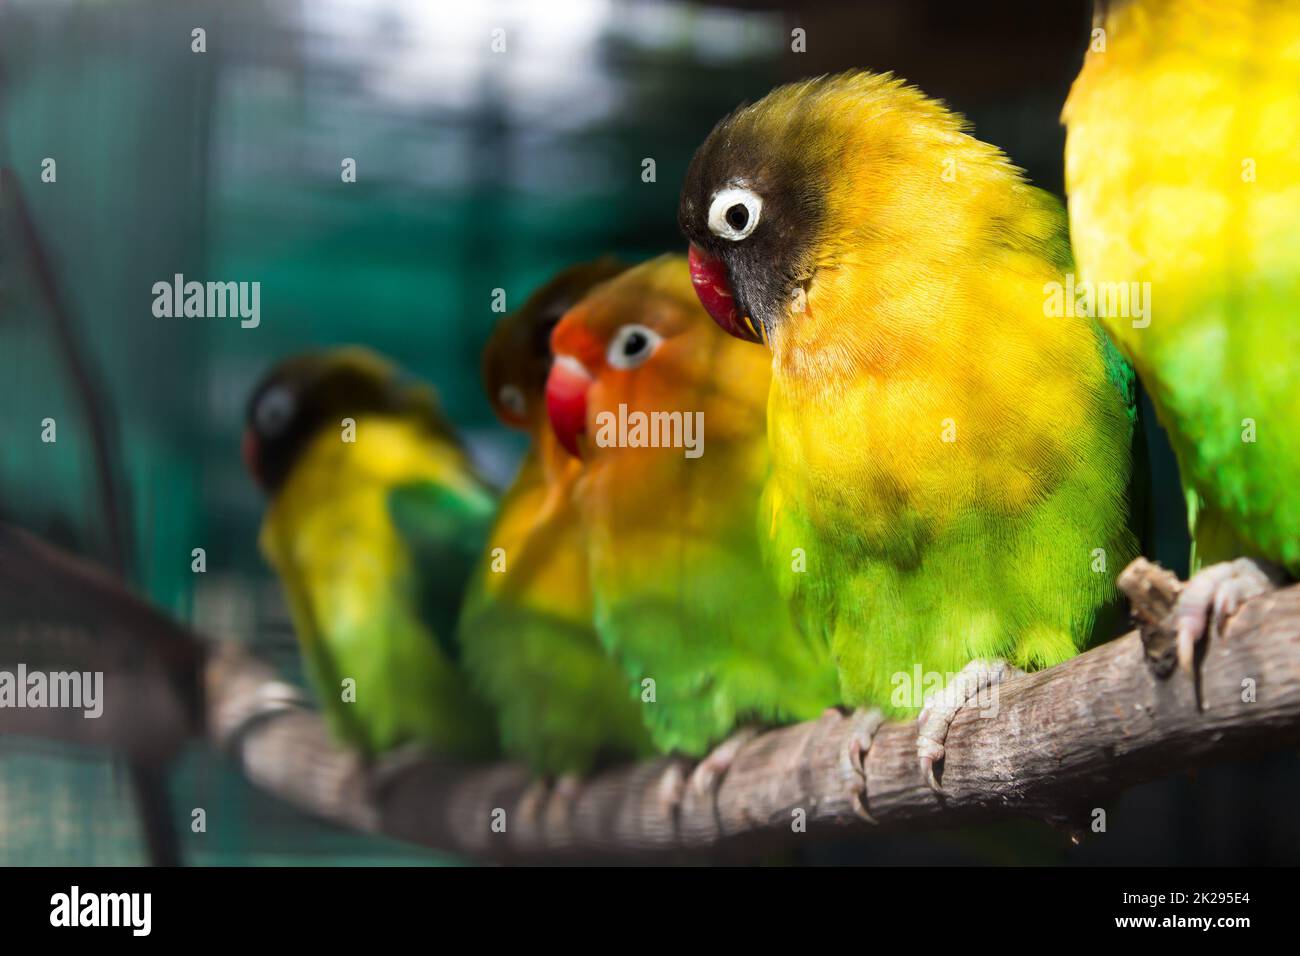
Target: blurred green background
(476, 170)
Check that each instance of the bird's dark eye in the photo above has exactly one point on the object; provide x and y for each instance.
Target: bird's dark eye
(512, 400)
(274, 411)
(631, 346)
(734, 212)
(634, 343)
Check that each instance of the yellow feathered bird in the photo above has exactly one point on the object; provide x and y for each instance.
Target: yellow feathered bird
(951, 454)
(1183, 171)
(375, 519)
(667, 413)
(527, 631)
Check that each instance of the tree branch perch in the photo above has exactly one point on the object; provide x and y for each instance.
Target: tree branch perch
(1063, 741)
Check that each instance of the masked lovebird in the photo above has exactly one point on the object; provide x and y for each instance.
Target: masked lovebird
(1183, 170)
(375, 520)
(950, 451)
(667, 415)
(526, 629)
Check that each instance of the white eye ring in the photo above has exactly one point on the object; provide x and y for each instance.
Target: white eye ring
(274, 410)
(631, 346)
(512, 400)
(723, 214)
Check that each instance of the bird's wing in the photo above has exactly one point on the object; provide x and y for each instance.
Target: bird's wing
(444, 530)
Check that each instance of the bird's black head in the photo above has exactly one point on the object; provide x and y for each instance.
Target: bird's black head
(828, 190)
(751, 206)
(518, 355)
(304, 394)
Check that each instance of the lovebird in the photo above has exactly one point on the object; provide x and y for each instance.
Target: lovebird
(666, 413)
(374, 521)
(950, 456)
(1182, 163)
(529, 640)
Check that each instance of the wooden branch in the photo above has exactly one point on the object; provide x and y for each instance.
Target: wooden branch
(1063, 742)
(60, 613)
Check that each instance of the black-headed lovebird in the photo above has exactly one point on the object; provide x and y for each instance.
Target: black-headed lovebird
(667, 414)
(374, 521)
(951, 456)
(1183, 171)
(529, 640)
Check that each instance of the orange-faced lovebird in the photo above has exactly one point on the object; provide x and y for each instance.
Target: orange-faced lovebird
(1182, 165)
(667, 415)
(527, 632)
(951, 454)
(375, 519)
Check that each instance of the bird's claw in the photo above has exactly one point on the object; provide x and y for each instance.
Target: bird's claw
(532, 802)
(866, 722)
(670, 790)
(681, 787)
(929, 752)
(708, 774)
(941, 708)
(1210, 599)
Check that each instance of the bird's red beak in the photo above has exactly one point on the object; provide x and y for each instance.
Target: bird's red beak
(248, 449)
(566, 400)
(713, 286)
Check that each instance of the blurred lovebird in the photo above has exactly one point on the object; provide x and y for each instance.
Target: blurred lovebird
(667, 415)
(1183, 170)
(951, 456)
(375, 519)
(529, 641)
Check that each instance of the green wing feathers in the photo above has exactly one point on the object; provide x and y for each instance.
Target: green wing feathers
(444, 530)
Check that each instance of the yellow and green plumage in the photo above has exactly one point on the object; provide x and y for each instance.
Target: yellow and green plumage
(952, 459)
(373, 540)
(682, 598)
(1183, 171)
(527, 631)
